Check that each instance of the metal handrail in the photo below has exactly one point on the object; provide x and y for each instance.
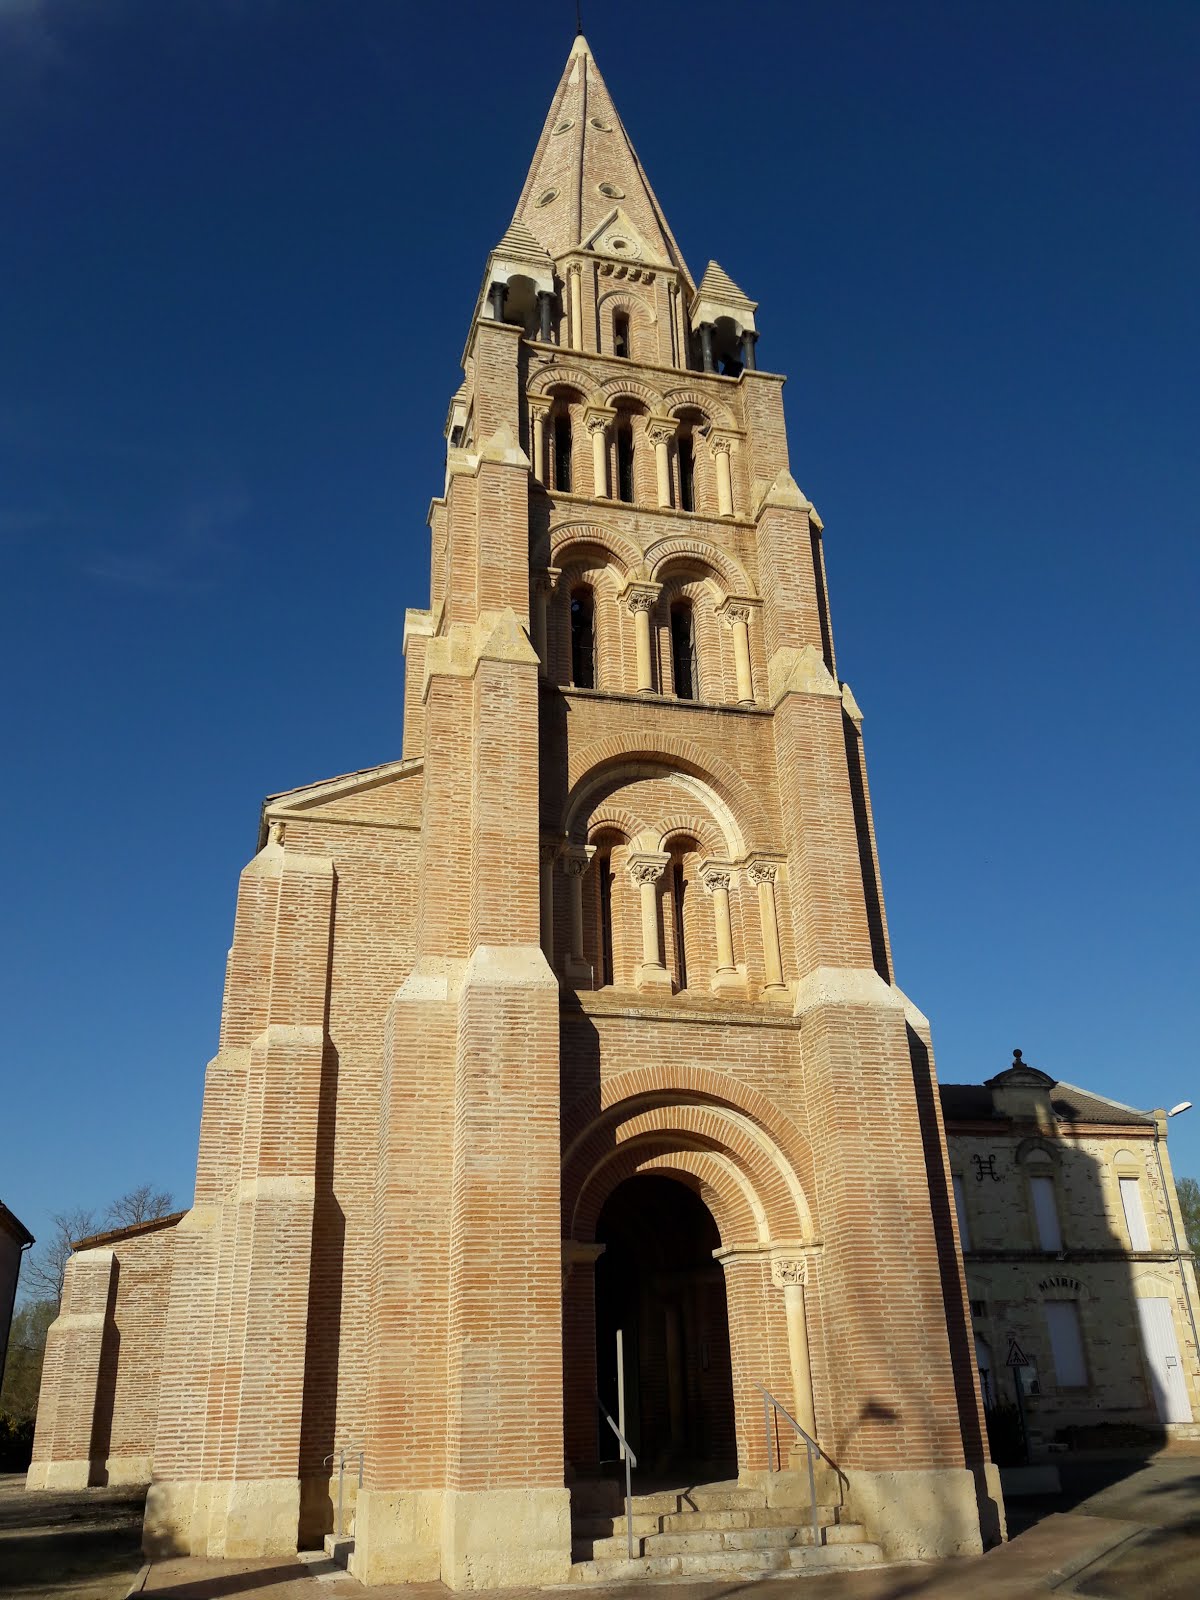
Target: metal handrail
(347, 1452)
(630, 1463)
(811, 1447)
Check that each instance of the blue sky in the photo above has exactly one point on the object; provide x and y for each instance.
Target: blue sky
(242, 239)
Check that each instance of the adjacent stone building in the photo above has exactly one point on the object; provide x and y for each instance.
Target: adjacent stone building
(577, 1017)
(1077, 1259)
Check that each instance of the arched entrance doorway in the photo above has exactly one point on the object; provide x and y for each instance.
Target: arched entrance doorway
(658, 1284)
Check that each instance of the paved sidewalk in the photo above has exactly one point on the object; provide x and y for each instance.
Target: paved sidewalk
(1126, 1531)
(1041, 1560)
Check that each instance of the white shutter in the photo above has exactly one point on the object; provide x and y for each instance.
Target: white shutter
(1046, 1212)
(1135, 1217)
(960, 1206)
(1167, 1381)
(1066, 1344)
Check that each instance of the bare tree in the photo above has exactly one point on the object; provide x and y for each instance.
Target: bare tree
(142, 1204)
(42, 1278)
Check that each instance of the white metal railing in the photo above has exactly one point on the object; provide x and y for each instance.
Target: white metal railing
(630, 1462)
(775, 1454)
(346, 1453)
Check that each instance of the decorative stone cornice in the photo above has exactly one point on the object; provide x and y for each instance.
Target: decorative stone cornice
(792, 671)
(503, 447)
(496, 636)
(845, 986)
(850, 706)
(785, 491)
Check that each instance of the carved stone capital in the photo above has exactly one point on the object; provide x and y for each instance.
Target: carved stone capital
(576, 859)
(646, 866)
(734, 611)
(762, 871)
(720, 443)
(641, 596)
(549, 849)
(661, 430)
(546, 581)
(788, 1269)
(539, 405)
(596, 419)
(716, 875)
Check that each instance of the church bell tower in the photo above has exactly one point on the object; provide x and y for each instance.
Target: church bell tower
(578, 1020)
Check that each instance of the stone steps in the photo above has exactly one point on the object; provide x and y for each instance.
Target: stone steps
(740, 1563)
(717, 1528)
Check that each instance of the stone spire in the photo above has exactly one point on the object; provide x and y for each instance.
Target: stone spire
(585, 181)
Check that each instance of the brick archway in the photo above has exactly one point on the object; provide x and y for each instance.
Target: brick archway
(741, 1160)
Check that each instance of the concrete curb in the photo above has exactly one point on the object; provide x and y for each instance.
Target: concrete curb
(139, 1583)
(1073, 1568)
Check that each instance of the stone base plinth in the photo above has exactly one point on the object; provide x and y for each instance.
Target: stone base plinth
(397, 1536)
(222, 1520)
(917, 1515)
(470, 1539)
(505, 1538)
(59, 1475)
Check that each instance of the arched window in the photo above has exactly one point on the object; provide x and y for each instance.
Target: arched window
(562, 451)
(583, 639)
(683, 650)
(687, 473)
(625, 460)
(621, 344)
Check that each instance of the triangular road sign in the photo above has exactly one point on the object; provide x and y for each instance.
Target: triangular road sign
(1016, 1356)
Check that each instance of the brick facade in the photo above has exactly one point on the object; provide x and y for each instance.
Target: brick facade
(615, 915)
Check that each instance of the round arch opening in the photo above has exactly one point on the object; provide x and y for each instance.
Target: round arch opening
(661, 1302)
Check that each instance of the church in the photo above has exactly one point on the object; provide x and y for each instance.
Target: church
(563, 1087)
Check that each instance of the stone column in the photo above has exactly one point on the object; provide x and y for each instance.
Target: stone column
(539, 410)
(596, 421)
(576, 861)
(660, 431)
(548, 854)
(543, 588)
(720, 445)
(497, 294)
(545, 312)
(790, 1275)
(737, 618)
(706, 346)
(641, 599)
(749, 340)
(575, 279)
(645, 869)
(716, 876)
(763, 874)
